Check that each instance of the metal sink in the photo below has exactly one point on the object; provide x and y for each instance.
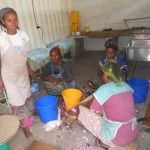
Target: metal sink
(138, 50)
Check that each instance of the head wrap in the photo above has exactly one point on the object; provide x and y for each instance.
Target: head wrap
(4, 11)
(112, 70)
(57, 49)
(111, 44)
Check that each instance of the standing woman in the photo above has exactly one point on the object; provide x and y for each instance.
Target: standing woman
(14, 70)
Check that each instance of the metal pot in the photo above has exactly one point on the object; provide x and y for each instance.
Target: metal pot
(77, 33)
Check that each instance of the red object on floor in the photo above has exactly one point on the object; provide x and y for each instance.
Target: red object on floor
(27, 122)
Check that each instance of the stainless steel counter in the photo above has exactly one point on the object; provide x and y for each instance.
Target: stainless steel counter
(138, 49)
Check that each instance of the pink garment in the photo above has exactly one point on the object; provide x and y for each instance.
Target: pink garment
(120, 107)
(92, 122)
(27, 122)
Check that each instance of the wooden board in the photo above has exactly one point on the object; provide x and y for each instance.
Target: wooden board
(87, 101)
(39, 145)
(111, 33)
(147, 114)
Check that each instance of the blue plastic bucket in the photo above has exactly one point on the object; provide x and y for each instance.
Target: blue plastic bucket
(140, 87)
(47, 108)
(4, 146)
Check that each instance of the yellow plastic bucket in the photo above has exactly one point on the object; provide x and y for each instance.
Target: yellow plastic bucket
(71, 97)
(75, 27)
(74, 17)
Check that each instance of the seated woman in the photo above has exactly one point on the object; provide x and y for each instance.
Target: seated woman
(111, 117)
(57, 74)
(110, 54)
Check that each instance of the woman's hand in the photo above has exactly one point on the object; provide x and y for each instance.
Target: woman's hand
(51, 80)
(99, 113)
(30, 71)
(1, 81)
(1, 84)
(56, 81)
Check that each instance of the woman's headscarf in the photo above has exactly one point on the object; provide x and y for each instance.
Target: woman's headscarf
(57, 49)
(111, 44)
(112, 70)
(4, 11)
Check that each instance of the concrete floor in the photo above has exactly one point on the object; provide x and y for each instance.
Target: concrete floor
(77, 137)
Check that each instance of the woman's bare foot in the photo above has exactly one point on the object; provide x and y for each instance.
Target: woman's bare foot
(91, 85)
(99, 143)
(27, 132)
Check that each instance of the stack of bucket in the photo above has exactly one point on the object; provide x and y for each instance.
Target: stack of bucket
(75, 21)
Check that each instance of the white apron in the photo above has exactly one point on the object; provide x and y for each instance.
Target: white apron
(15, 74)
(110, 128)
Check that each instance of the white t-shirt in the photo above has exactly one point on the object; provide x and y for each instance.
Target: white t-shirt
(17, 40)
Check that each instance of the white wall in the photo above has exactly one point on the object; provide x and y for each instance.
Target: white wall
(97, 44)
(102, 14)
(52, 15)
(94, 44)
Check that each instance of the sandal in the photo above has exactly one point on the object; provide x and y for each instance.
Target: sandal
(99, 143)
